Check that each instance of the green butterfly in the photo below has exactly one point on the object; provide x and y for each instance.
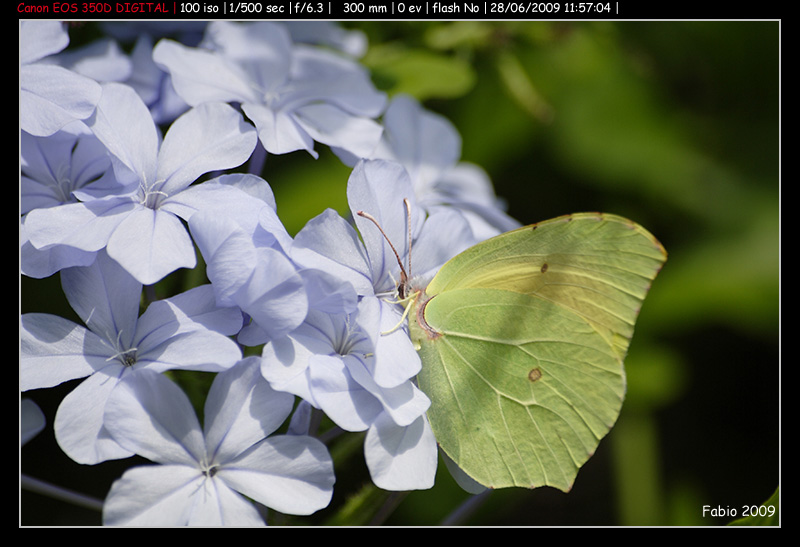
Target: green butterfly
(522, 339)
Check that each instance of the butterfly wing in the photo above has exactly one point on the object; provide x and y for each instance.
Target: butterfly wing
(522, 339)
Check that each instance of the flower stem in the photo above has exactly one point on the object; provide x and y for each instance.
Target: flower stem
(57, 492)
(388, 507)
(463, 511)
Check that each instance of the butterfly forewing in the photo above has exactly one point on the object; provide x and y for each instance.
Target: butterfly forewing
(599, 266)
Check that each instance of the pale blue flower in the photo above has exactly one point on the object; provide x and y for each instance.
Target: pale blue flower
(141, 229)
(187, 332)
(247, 261)
(249, 269)
(205, 474)
(102, 60)
(54, 170)
(154, 85)
(329, 362)
(353, 42)
(50, 96)
(429, 147)
(401, 457)
(294, 94)
(365, 259)
(43, 263)
(359, 368)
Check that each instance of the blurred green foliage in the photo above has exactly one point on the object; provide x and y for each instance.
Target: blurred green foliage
(675, 125)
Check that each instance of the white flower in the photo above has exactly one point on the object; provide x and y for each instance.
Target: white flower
(206, 473)
(294, 94)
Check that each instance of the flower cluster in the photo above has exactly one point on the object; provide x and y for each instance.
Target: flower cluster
(113, 205)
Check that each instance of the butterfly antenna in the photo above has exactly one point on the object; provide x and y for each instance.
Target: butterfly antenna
(408, 223)
(403, 274)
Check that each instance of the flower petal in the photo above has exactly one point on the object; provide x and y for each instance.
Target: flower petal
(79, 425)
(242, 409)
(229, 253)
(38, 39)
(396, 360)
(379, 187)
(152, 495)
(275, 295)
(124, 124)
(328, 243)
(175, 495)
(220, 198)
(208, 137)
(105, 297)
(199, 349)
(342, 399)
(202, 76)
(278, 130)
(50, 97)
(404, 402)
(195, 309)
(289, 473)
(151, 416)
(39, 264)
(321, 75)
(333, 126)
(85, 226)
(285, 358)
(263, 49)
(401, 458)
(262, 281)
(151, 244)
(54, 350)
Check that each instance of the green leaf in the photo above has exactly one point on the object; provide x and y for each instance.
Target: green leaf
(418, 72)
(765, 514)
(370, 506)
(522, 339)
(522, 89)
